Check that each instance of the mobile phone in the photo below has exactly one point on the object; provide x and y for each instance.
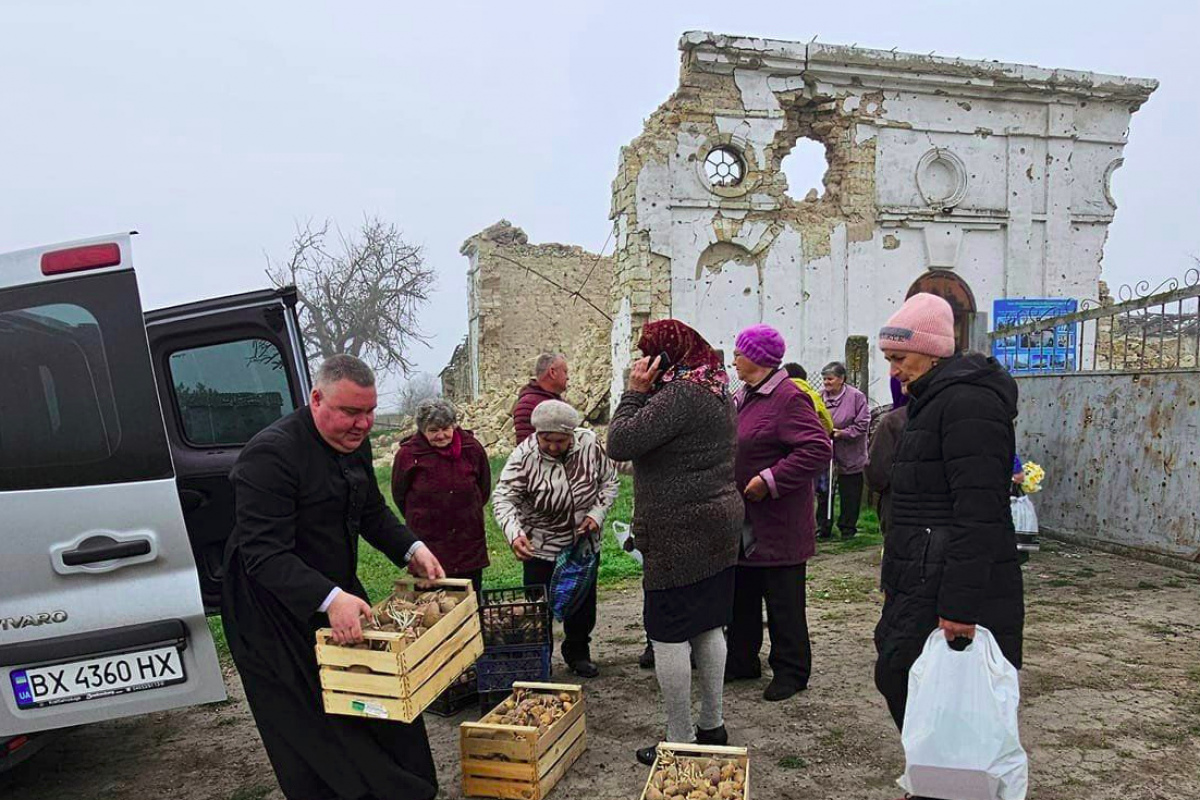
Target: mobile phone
(664, 362)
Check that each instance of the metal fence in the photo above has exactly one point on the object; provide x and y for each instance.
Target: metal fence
(1144, 330)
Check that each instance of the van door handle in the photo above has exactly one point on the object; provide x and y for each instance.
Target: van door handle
(102, 548)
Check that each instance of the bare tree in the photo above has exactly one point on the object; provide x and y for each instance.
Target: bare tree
(359, 294)
(421, 386)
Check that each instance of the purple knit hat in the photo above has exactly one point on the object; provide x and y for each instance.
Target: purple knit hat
(762, 344)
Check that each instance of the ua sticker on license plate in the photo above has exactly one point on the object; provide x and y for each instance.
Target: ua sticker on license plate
(36, 687)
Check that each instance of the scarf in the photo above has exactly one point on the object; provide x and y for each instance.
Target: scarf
(692, 358)
(452, 450)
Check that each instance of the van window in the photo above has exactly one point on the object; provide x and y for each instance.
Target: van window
(59, 391)
(228, 392)
(78, 404)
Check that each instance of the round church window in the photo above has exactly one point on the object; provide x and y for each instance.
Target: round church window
(724, 167)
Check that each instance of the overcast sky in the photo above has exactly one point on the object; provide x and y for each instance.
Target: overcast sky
(212, 128)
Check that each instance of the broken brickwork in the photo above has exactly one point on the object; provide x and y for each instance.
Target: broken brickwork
(525, 299)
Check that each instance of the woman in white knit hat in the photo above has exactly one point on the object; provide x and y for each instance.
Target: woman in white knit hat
(557, 486)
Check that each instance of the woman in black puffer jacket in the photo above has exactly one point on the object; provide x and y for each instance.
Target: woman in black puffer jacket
(950, 560)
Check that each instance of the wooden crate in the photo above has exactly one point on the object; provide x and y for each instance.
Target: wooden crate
(409, 675)
(677, 750)
(513, 762)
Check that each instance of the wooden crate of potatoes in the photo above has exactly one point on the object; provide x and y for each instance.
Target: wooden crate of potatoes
(698, 772)
(526, 744)
(419, 643)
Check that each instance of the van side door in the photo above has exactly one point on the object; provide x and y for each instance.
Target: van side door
(226, 368)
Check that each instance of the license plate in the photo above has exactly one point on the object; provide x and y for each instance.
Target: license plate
(36, 687)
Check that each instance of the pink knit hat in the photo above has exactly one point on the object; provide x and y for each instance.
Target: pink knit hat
(762, 344)
(924, 324)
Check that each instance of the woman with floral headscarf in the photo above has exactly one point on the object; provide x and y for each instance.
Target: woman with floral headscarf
(676, 424)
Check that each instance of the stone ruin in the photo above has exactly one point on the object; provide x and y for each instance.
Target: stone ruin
(974, 180)
(525, 299)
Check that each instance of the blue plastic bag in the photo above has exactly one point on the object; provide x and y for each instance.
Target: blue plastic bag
(575, 573)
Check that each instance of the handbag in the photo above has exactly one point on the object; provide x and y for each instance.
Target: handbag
(575, 572)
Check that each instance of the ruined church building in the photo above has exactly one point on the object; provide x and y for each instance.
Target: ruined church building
(974, 180)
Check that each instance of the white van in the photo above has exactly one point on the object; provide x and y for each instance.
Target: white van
(117, 433)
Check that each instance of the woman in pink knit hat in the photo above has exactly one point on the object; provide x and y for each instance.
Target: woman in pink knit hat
(950, 560)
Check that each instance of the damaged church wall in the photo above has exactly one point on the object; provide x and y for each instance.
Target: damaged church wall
(999, 174)
(520, 304)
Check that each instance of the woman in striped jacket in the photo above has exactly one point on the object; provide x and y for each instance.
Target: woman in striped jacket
(557, 486)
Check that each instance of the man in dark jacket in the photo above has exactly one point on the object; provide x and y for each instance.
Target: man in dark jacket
(549, 384)
(305, 491)
(950, 560)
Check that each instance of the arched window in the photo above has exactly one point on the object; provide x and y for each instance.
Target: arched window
(955, 291)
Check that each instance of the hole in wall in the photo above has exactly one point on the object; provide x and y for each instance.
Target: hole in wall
(805, 168)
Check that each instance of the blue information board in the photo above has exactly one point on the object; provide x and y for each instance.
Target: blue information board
(1040, 351)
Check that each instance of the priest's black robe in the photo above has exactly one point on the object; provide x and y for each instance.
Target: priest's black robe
(301, 507)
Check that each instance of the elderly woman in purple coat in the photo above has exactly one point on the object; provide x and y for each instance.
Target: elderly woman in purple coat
(851, 421)
(781, 448)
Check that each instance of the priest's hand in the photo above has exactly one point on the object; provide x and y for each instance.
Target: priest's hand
(424, 564)
(345, 617)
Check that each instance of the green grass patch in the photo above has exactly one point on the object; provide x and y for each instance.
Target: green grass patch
(1147, 585)
(868, 535)
(840, 588)
(792, 762)
(218, 634)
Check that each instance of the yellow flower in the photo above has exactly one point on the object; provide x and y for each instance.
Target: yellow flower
(1033, 477)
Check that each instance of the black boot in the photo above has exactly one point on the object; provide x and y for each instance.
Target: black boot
(646, 661)
(647, 755)
(716, 736)
(584, 668)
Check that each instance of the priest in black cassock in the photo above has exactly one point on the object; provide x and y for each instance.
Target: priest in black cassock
(305, 491)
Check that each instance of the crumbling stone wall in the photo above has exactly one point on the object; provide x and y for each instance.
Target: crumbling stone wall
(525, 299)
(998, 172)
(456, 377)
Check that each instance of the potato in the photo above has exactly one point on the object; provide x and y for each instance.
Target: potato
(431, 616)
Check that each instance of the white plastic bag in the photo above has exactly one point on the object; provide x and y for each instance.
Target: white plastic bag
(622, 532)
(960, 726)
(1024, 514)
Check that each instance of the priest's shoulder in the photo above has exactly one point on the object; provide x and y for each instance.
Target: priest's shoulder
(284, 438)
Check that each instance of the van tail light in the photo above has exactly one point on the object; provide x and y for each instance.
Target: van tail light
(17, 743)
(76, 259)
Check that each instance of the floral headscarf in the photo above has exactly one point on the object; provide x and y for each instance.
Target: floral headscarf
(692, 358)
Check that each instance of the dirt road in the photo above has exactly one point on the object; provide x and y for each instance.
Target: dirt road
(1110, 706)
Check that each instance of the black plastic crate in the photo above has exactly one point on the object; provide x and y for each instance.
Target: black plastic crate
(517, 616)
(461, 694)
(499, 667)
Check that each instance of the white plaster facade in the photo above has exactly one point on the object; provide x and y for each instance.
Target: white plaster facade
(995, 172)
